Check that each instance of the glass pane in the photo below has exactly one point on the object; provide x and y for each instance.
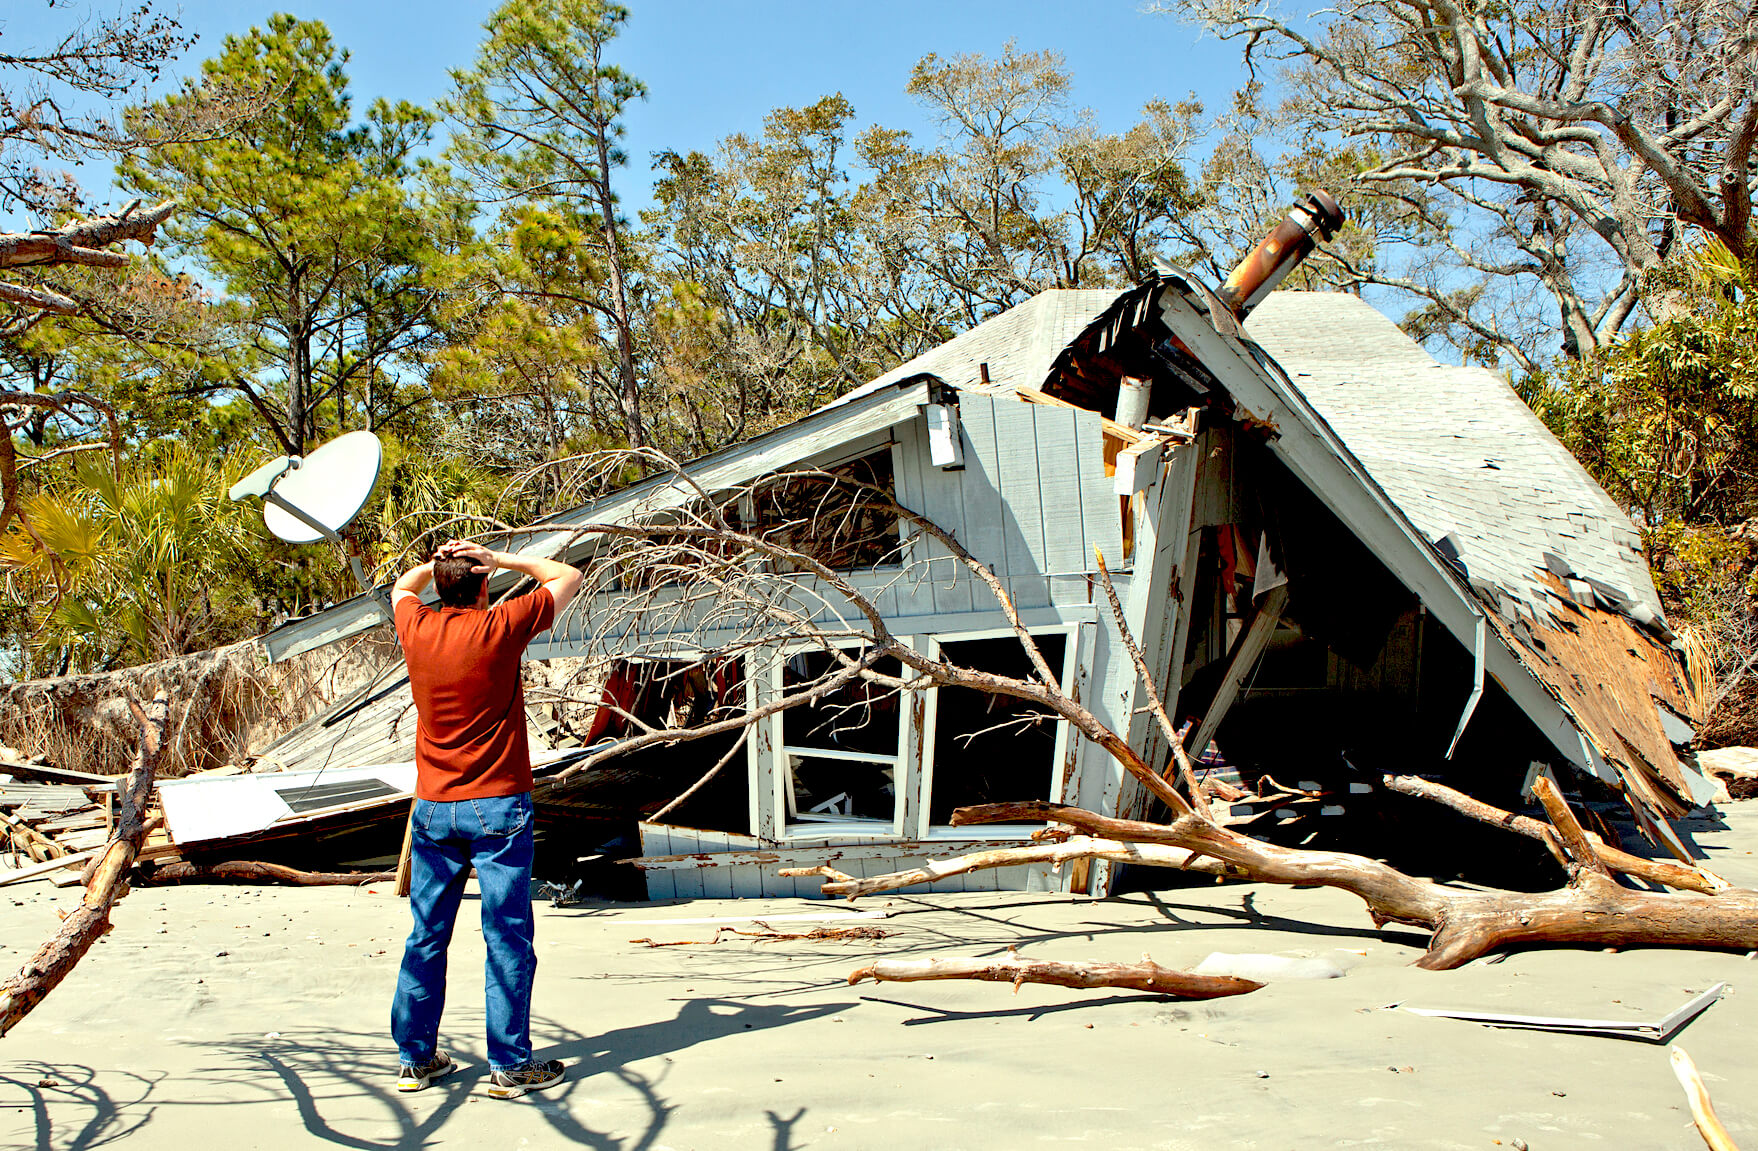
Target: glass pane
(992, 748)
(860, 717)
(840, 790)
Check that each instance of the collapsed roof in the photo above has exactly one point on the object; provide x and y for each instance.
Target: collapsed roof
(1441, 472)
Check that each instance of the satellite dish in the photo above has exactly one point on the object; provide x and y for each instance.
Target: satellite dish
(313, 498)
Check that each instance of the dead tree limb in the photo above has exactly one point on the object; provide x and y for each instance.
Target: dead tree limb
(1180, 756)
(244, 871)
(83, 241)
(1076, 847)
(1592, 909)
(1144, 976)
(91, 919)
(1653, 870)
(1568, 828)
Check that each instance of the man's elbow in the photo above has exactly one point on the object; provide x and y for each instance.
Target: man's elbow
(565, 587)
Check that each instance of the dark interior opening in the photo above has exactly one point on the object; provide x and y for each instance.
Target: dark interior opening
(993, 748)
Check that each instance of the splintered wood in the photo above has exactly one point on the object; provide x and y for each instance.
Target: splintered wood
(42, 822)
(1614, 678)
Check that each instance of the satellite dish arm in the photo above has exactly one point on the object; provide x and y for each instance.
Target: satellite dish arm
(272, 497)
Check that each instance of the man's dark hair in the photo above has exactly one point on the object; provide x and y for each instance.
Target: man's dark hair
(456, 582)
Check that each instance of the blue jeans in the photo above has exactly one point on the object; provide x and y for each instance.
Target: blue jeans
(448, 838)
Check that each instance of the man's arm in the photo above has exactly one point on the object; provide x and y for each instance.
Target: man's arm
(412, 582)
(562, 580)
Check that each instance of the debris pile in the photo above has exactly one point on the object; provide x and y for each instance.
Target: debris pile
(55, 820)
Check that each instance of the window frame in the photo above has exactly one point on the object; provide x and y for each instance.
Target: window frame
(1072, 638)
(821, 828)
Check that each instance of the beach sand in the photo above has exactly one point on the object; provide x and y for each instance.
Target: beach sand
(237, 1017)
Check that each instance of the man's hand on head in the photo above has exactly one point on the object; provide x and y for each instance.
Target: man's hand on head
(463, 549)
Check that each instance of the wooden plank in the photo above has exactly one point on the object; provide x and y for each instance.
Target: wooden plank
(836, 855)
(43, 773)
(38, 870)
(1245, 656)
(760, 669)
(911, 778)
(1158, 606)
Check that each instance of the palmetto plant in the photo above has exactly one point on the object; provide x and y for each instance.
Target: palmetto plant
(118, 567)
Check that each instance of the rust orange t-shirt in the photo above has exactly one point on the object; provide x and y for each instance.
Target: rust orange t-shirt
(464, 673)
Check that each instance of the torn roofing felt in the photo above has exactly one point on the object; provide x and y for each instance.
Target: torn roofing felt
(1555, 564)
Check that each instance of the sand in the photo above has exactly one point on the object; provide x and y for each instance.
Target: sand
(256, 1017)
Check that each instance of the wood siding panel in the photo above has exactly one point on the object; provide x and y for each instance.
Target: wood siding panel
(1016, 470)
(980, 485)
(1101, 510)
(1060, 490)
(910, 464)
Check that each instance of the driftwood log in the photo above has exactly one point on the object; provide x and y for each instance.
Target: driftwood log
(1592, 909)
(1144, 976)
(243, 871)
(1715, 1136)
(91, 919)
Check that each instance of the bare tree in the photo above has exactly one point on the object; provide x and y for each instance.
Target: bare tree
(1550, 149)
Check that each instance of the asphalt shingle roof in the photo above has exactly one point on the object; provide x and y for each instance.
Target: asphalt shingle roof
(1455, 448)
(1019, 345)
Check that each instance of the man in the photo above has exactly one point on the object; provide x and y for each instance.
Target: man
(472, 803)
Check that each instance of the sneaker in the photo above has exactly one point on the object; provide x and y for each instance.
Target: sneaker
(415, 1076)
(515, 1081)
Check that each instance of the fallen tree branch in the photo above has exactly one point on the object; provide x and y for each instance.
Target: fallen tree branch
(769, 934)
(1569, 828)
(91, 919)
(1653, 870)
(1144, 976)
(1076, 847)
(1592, 909)
(243, 871)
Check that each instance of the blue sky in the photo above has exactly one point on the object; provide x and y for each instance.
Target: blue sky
(713, 68)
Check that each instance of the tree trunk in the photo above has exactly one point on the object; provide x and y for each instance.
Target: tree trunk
(1144, 976)
(629, 394)
(91, 919)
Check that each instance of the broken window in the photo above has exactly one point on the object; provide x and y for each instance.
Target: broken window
(833, 521)
(995, 748)
(841, 755)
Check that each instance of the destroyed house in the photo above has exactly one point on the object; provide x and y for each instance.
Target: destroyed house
(1339, 557)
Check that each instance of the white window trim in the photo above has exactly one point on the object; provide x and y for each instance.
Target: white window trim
(930, 728)
(819, 829)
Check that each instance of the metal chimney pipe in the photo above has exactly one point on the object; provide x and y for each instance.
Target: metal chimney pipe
(1280, 252)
